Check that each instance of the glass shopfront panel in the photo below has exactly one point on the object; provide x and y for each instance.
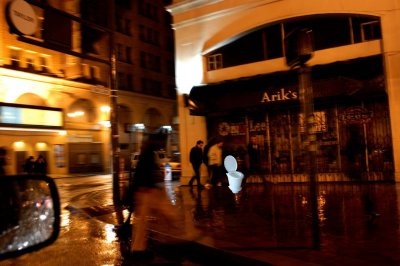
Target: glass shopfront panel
(354, 139)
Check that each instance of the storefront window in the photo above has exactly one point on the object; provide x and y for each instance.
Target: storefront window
(279, 131)
(354, 139)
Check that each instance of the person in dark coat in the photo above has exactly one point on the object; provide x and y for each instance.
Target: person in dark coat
(196, 159)
(3, 160)
(29, 166)
(40, 165)
(207, 147)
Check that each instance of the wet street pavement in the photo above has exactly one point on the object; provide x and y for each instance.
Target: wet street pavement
(265, 225)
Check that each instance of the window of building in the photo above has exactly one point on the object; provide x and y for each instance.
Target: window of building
(86, 70)
(15, 56)
(150, 61)
(156, 38)
(328, 32)
(151, 86)
(44, 63)
(370, 31)
(129, 81)
(365, 29)
(128, 51)
(121, 81)
(142, 32)
(149, 35)
(143, 59)
(119, 52)
(272, 47)
(30, 64)
(128, 27)
(170, 44)
(125, 4)
(94, 73)
(214, 62)
(170, 67)
(148, 9)
(118, 23)
(267, 43)
(250, 47)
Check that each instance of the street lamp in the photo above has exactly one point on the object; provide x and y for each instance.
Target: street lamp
(114, 106)
(298, 50)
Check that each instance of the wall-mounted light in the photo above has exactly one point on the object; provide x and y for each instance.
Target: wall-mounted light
(105, 109)
(19, 145)
(188, 103)
(76, 114)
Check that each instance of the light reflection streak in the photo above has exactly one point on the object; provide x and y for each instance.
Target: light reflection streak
(169, 188)
(322, 206)
(110, 233)
(65, 219)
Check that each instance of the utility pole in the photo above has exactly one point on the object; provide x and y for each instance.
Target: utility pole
(307, 107)
(114, 107)
(299, 49)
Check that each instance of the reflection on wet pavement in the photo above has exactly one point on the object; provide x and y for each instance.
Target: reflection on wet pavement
(359, 224)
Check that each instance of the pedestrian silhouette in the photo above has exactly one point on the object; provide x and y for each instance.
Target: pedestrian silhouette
(215, 162)
(148, 196)
(3, 160)
(29, 166)
(196, 159)
(40, 165)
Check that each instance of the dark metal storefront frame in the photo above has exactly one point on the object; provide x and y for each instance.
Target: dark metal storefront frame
(351, 113)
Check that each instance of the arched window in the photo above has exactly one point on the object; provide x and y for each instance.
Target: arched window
(81, 111)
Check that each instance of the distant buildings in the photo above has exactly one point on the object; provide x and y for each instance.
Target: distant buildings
(234, 83)
(55, 80)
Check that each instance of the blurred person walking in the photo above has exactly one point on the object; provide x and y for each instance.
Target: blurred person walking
(3, 160)
(215, 162)
(207, 147)
(29, 166)
(147, 196)
(196, 159)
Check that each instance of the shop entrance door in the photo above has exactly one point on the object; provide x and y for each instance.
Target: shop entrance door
(20, 158)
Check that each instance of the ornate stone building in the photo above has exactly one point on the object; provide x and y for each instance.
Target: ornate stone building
(55, 80)
(234, 83)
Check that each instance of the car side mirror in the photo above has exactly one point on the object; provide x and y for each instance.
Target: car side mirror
(29, 214)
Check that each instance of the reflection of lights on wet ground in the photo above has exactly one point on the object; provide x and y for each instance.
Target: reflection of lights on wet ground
(125, 214)
(322, 206)
(303, 200)
(65, 219)
(110, 233)
(169, 189)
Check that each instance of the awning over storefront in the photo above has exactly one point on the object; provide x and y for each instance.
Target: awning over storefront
(358, 78)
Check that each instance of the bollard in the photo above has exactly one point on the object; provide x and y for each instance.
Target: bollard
(167, 172)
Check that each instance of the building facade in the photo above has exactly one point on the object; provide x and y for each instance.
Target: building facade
(235, 83)
(55, 80)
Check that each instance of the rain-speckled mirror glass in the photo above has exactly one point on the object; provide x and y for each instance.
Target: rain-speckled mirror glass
(27, 215)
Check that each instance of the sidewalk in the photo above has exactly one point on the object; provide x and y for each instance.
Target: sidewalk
(271, 225)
